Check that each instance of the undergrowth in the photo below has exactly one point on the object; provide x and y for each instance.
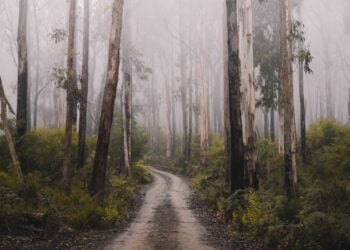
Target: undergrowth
(318, 218)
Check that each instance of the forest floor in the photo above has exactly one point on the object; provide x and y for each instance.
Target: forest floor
(164, 215)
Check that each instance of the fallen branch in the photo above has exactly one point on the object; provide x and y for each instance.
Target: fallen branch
(4, 104)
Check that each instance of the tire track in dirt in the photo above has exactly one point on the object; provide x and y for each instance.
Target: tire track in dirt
(164, 221)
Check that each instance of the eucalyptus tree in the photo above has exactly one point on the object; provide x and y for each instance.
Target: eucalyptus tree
(84, 86)
(240, 120)
(286, 87)
(98, 177)
(22, 85)
(70, 82)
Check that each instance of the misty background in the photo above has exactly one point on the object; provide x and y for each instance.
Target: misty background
(154, 34)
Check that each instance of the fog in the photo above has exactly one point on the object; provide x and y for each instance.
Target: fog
(158, 32)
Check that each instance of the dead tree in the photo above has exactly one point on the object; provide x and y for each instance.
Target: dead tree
(4, 125)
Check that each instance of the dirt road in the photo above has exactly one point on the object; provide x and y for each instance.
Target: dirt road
(164, 220)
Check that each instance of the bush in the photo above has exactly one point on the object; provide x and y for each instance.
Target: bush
(43, 150)
(139, 141)
(141, 173)
(317, 218)
(269, 165)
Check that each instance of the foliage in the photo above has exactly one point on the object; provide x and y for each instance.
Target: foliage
(141, 173)
(42, 149)
(317, 218)
(42, 206)
(210, 184)
(304, 53)
(269, 163)
(139, 139)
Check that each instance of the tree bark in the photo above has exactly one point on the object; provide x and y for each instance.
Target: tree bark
(67, 171)
(227, 121)
(349, 108)
(97, 183)
(168, 118)
(272, 124)
(126, 111)
(233, 118)
(173, 118)
(15, 162)
(37, 77)
(266, 122)
(22, 91)
(287, 100)
(248, 91)
(301, 96)
(190, 113)
(84, 86)
(203, 120)
(183, 93)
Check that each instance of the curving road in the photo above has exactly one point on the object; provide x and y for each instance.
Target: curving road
(164, 220)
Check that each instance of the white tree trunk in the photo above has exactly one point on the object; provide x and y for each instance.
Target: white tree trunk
(245, 24)
(203, 119)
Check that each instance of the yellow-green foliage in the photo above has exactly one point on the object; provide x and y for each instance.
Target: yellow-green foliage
(141, 172)
(319, 217)
(269, 164)
(78, 209)
(42, 149)
(253, 214)
(210, 183)
(139, 139)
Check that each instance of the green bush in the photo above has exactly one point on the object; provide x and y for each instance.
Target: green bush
(139, 141)
(210, 184)
(317, 218)
(269, 165)
(141, 172)
(43, 149)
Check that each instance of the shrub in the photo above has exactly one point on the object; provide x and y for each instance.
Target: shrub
(141, 173)
(42, 150)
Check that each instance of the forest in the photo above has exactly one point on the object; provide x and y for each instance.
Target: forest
(174, 124)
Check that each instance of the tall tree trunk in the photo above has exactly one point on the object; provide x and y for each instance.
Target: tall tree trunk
(173, 118)
(126, 96)
(183, 91)
(184, 111)
(126, 111)
(272, 124)
(75, 90)
(248, 91)
(227, 121)
(168, 118)
(190, 113)
(233, 118)
(84, 86)
(4, 124)
(301, 96)
(203, 117)
(22, 85)
(67, 171)
(349, 108)
(37, 77)
(266, 122)
(97, 183)
(287, 97)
